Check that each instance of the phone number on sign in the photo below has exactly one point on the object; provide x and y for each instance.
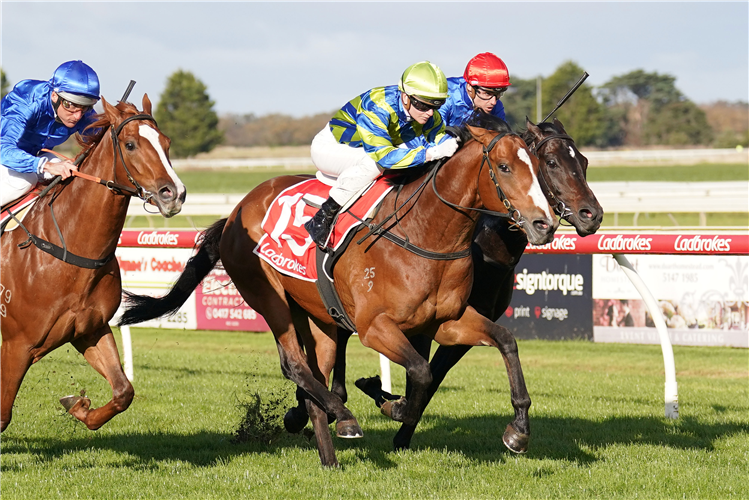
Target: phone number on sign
(226, 313)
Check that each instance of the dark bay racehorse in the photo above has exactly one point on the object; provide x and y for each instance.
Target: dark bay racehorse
(408, 295)
(496, 251)
(47, 302)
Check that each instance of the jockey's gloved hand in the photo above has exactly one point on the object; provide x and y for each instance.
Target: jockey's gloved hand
(445, 148)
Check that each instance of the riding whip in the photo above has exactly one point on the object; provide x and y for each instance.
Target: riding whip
(130, 88)
(567, 96)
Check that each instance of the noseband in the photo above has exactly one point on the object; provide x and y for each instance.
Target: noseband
(561, 208)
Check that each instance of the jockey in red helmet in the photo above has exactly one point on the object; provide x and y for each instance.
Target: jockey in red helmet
(43, 114)
(484, 81)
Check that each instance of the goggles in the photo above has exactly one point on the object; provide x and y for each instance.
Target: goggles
(72, 107)
(485, 93)
(424, 106)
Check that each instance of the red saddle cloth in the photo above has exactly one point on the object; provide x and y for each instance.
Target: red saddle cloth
(287, 246)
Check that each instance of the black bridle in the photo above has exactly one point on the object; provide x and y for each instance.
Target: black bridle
(141, 193)
(512, 214)
(560, 207)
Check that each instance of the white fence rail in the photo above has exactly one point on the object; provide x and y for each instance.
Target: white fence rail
(614, 197)
(595, 158)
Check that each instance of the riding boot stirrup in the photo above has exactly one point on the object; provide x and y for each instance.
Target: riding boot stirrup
(319, 226)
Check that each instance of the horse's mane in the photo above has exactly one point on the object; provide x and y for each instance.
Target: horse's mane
(95, 132)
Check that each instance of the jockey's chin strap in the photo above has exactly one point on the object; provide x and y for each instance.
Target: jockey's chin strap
(560, 207)
(512, 214)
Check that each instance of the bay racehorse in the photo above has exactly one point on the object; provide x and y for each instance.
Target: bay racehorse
(71, 293)
(497, 249)
(403, 294)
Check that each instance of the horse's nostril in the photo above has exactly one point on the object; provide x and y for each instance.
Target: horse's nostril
(541, 225)
(166, 194)
(586, 214)
(183, 196)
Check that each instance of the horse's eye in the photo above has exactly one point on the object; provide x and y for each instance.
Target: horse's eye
(551, 163)
(503, 167)
(130, 146)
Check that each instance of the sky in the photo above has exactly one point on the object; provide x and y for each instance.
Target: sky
(303, 58)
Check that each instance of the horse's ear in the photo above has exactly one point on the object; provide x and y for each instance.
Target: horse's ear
(113, 115)
(147, 105)
(480, 134)
(533, 128)
(559, 125)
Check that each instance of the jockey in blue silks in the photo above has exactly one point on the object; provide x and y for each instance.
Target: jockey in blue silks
(386, 128)
(484, 81)
(43, 114)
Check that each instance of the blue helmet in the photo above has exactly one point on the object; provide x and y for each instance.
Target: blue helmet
(76, 82)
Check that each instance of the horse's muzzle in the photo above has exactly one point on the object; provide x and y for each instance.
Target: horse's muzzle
(170, 201)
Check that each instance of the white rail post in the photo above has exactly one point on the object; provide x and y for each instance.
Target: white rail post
(671, 393)
(387, 385)
(127, 352)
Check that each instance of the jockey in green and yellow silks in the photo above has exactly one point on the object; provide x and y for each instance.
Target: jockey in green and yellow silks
(393, 127)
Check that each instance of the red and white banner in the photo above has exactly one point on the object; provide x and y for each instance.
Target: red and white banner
(644, 243)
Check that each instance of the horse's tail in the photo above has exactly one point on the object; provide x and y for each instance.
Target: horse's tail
(143, 308)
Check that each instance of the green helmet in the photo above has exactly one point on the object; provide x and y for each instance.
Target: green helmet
(424, 80)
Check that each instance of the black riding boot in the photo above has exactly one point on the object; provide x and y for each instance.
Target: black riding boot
(319, 226)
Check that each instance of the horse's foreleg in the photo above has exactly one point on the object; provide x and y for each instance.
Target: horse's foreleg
(15, 361)
(100, 350)
(385, 337)
(444, 359)
(474, 329)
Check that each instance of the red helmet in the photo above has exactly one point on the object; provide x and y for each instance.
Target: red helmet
(487, 70)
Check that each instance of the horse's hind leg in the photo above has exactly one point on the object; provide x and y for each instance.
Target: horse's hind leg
(322, 434)
(15, 361)
(296, 418)
(100, 351)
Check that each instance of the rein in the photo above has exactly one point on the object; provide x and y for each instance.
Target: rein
(62, 253)
(513, 214)
(561, 208)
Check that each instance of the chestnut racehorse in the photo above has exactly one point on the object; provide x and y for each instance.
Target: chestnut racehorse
(497, 250)
(46, 301)
(403, 294)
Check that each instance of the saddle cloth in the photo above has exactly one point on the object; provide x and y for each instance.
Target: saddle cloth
(19, 208)
(287, 246)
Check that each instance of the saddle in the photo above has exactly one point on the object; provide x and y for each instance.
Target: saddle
(14, 212)
(289, 249)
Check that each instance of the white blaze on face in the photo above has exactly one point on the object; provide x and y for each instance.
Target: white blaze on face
(535, 192)
(572, 152)
(152, 136)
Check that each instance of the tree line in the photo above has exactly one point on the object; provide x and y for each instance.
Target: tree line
(637, 109)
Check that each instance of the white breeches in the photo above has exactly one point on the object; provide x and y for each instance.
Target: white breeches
(351, 168)
(14, 184)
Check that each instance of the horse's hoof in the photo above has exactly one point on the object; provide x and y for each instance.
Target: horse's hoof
(516, 442)
(69, 402)
(295, 420)
(348, 429)
(393, 409)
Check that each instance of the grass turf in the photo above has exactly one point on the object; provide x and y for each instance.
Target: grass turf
(597, 422)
